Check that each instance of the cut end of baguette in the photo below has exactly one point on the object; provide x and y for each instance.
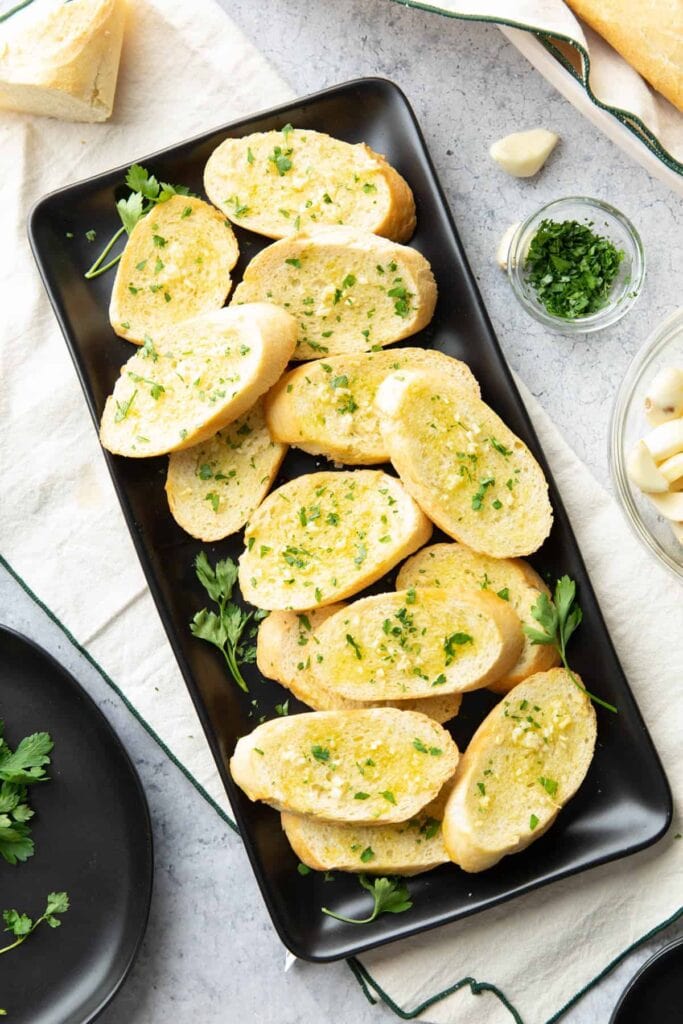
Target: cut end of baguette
(525, 761)
(325, 536)
(280, 182)
(214, 487)
(326, 407)
(471, 475)
(368, 767)
(176, 266)
(199, 377)
(349, 290)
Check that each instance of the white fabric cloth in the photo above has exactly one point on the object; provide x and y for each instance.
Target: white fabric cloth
(186, 68)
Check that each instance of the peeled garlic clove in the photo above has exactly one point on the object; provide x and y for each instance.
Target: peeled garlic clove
(664, 400)
(672, 469)
(522, 154)
(669, 505)
(665, 440)
(643, 472)
(503, 250)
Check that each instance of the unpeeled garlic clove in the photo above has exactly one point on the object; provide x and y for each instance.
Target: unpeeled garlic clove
(522, 154)
(643, 472)
(664, 400)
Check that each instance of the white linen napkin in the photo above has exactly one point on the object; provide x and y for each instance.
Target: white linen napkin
(185, 68)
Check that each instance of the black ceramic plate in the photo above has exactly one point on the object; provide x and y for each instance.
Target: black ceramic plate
(93, 839)
(656, 992)
(625, 802)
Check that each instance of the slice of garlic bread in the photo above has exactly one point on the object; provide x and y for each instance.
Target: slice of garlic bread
(406, 848)
(326, 407)
(349, 290)
(368, 767)
(214, 487)
(456, 567)
(200, 376)
(415, 643)
(472, 476)
(325, 536)
(280, 182)
(176, 265)
(525, 761)
(287, 645)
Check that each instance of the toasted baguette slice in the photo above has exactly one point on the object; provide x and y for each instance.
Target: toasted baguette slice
(213, 488)
(455, 567)
(327, 407)
(525, 761)
(278, 183)
(369, 767)
(62, 60)
(472, 476)
(176, 265)
(203, 375)
(349, 289)
(325, 536)
(287, 645)
(407, 848)
(416, 643)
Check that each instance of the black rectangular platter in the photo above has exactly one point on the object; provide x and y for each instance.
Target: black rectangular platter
(625, 803)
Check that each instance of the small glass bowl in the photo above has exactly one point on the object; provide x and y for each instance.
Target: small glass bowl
(663, 348)
(605, 221)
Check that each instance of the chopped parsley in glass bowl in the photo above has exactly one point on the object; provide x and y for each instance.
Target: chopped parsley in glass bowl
(576, 265)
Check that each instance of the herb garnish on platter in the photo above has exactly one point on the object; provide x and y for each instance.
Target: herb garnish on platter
(390, 896)
(18, 770)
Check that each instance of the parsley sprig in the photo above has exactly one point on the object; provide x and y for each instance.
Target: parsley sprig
(146, 193)
(232, 630)
(19, 770)
(559, 619)
(390, 896)
(21, 925)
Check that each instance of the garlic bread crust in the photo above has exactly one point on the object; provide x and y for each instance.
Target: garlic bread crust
(200, 376)
(213, 487)
(456, 567)
(349, 290)
(525, 761)
(279, 182)
(466, 469)
(176, 265)
(324, 536)
(415, 643)
(287, 645)
(367, 767)
(326, 407)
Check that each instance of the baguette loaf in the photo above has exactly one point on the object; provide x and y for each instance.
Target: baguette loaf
(326, 407)
(214, 487)
(349, 289)
(176, 265)
(325, 536)
(416, 643)
(286, 647)
(204, 374)
(466, 469)
(455, 567)
(62, 60)
(280, 182)
(368, 767)
(524, 762)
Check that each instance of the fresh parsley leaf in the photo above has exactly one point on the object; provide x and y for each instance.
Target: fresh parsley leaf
(389, 896)
(131, 210)
(21, 925)
(321, 754)
(27, 763)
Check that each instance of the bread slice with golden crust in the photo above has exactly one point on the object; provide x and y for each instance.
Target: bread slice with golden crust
(349, 290)
(406, 848)
(525, 761)
(326, 407)
(368, 767)
(213, 487)
(286, 647)
(325, 536)
(176, 265)
(456, 567)
(200, 376)
(416, 643)
(466, 469)
(279, 182)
